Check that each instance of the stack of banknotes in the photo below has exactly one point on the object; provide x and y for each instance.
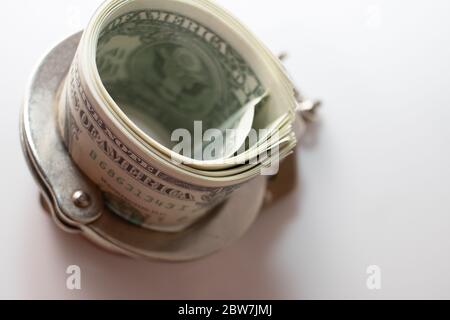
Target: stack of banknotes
(171, 106)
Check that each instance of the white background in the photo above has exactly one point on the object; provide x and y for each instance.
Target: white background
(374, 178)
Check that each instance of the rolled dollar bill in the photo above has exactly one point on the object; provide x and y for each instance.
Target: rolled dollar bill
(146, 69)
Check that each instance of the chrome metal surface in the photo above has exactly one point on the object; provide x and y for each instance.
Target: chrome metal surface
(81, 199)
(76, 203)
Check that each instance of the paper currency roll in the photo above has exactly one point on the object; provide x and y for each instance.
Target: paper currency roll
(148, 73)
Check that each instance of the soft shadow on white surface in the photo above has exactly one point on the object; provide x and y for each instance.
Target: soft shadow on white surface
(246, 270)
(375, 189)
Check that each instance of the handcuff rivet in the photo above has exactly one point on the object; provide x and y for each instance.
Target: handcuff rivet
(81, 199)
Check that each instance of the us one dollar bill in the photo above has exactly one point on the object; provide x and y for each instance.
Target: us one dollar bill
(171, 106)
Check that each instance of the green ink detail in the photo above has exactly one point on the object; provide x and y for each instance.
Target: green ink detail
(123, 209)
(167, 74)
